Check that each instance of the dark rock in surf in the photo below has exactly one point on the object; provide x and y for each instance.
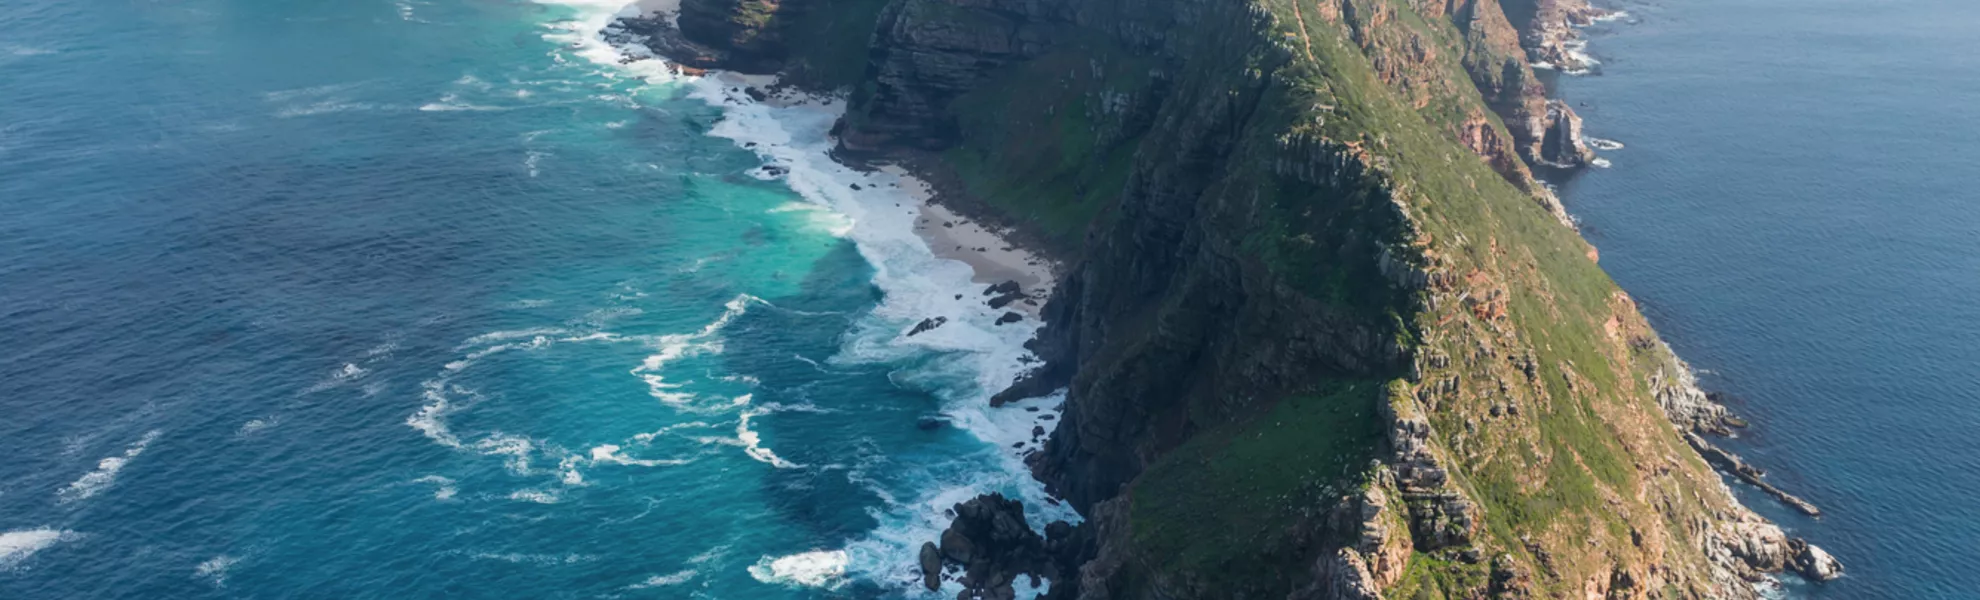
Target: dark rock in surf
(931, 566)
(927, 324)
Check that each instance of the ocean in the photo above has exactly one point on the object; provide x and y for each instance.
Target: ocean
(1795, 209)
(440, 299)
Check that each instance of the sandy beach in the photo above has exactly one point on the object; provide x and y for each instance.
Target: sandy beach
(994, 259)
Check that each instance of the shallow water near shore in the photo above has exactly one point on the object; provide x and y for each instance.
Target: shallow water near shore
(1794, 208)
(410, 299)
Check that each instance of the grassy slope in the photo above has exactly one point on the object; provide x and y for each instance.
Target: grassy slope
(1038, 141)
(1219, 506)
(1571, 472)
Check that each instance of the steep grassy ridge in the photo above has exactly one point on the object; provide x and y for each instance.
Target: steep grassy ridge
(1324, 337)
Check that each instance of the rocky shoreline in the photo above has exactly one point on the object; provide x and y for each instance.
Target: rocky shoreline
(1410, 503)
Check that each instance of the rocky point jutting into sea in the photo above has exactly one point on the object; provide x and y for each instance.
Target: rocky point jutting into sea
(1323, 333)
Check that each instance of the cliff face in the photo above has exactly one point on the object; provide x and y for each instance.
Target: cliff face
(1320, 339)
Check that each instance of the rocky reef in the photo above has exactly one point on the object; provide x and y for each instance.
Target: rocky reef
(1323, 334)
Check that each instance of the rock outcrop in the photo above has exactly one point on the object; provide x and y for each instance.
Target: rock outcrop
(995, 547)
(1564, 144)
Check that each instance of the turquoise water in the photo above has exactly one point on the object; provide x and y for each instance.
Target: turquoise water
(1796, 211)
(375, 299)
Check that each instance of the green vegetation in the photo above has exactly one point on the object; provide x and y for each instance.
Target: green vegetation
(1429, 577)
(1219, 508)
(830, 43)
(1042, 140)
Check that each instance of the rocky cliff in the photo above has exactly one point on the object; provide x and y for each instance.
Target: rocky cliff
(1324, 336)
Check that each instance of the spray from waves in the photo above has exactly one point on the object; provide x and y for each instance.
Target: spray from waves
(816, 569)
(17, 546)
(105, 475)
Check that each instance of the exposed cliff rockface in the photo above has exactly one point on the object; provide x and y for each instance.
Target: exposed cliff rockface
(1319, 339)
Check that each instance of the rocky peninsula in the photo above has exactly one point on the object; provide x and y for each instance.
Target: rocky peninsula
(1323, 333)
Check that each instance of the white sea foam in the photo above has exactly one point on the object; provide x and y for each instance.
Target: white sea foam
(675, 578)
(531, 159)
(677, 346)
(254, 426)
(319, 91)
(819, 218)
(964, 361)
(816, 569)
(500, 336)
(973, 356)
(17, 546)
(752, 442)
(609, 454)
(709, 555)
(534, 559)
(1614, 15)
(214, 570)
(443, 487)
(539, 496)
(345, 374)
(105, 475)
(326, 107)
(452, 102)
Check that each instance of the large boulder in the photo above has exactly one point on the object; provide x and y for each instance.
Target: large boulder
(931, 566)
(1813, 562)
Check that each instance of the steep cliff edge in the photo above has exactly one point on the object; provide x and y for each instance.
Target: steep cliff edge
(1320, 340)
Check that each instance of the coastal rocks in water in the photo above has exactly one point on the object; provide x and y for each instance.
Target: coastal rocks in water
(1549, 34)
(1564, 145)
(931, 566)
(993, 543)
(1813, 562)
(927, 324)
(1009, 317)
(1003, 294)
(1731, 463)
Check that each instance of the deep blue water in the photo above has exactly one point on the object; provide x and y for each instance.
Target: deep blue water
(421, 299)
(1796, 211)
